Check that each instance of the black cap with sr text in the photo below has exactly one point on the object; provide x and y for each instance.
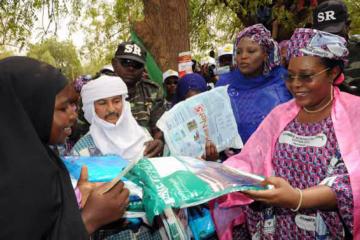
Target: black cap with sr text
(330, 16)
(132, 51)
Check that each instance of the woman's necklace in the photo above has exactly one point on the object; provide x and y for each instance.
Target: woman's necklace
(323, 107)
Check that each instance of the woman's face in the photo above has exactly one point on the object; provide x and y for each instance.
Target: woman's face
(250, 57)
(64, 116)
(309, 81)
(109, 109)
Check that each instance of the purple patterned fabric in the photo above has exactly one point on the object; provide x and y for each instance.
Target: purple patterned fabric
(311, 42)
(283, 44)
(259, 34)
(81, 81)
(304, 167)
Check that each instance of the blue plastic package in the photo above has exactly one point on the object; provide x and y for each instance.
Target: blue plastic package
(200, 222)
(100, 168)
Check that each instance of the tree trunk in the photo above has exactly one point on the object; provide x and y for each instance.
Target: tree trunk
(165, 30)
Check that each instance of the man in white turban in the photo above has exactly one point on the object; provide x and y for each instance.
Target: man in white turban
(113, 129)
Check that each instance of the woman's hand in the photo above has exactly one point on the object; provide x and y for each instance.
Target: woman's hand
(101, 209)
(153, 148)
(211, 153)
(85, 186)
(282, 195)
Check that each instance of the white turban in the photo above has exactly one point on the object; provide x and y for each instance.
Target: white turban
(102, 87)
(125, 138)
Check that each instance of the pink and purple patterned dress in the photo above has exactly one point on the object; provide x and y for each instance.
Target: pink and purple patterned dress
(306, 154)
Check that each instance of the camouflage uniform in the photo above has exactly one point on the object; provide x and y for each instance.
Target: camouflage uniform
(147, 104)
(352, 71)
(167, 105)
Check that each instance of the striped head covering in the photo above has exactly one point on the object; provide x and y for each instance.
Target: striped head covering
(311, 42)
(259, 34)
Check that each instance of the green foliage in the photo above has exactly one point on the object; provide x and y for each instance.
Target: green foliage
(17, 18)
(215, 22)
(354, 9)
(4, 53)
(211, 24)
(244, 8)
(62, 55)
(107, 25)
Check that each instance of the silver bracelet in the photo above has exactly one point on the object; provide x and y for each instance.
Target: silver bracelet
(300, 201)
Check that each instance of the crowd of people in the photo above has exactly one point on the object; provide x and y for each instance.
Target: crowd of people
(295, 107)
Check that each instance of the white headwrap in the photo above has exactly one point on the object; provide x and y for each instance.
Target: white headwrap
(125, 138)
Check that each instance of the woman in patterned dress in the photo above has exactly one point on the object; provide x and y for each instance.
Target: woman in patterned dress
(308, 148)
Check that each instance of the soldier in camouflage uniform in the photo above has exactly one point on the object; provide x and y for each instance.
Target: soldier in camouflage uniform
(146, 97)
(147, 104)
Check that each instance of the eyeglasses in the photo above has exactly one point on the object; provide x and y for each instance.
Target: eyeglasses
(130, 63)
(304, 77)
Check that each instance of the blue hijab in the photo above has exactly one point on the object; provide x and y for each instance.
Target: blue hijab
(253, 98)
(192, 81)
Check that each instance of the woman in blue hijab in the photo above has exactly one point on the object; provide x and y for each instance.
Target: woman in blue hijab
(190, 85)
(257, 85)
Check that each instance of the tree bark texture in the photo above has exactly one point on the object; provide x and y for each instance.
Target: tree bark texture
(165, 30)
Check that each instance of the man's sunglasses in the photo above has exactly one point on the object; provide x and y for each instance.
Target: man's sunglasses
(130, 63)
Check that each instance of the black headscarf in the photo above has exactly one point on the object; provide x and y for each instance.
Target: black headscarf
(37, 199)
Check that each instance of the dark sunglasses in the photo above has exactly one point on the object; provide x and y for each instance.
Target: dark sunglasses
(130, 63)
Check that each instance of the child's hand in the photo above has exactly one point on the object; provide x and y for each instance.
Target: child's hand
(211, 153)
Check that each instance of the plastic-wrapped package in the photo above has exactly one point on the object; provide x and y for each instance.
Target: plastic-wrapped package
(200, 222)
(180, 182)
(100, 168)
(104, 169)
